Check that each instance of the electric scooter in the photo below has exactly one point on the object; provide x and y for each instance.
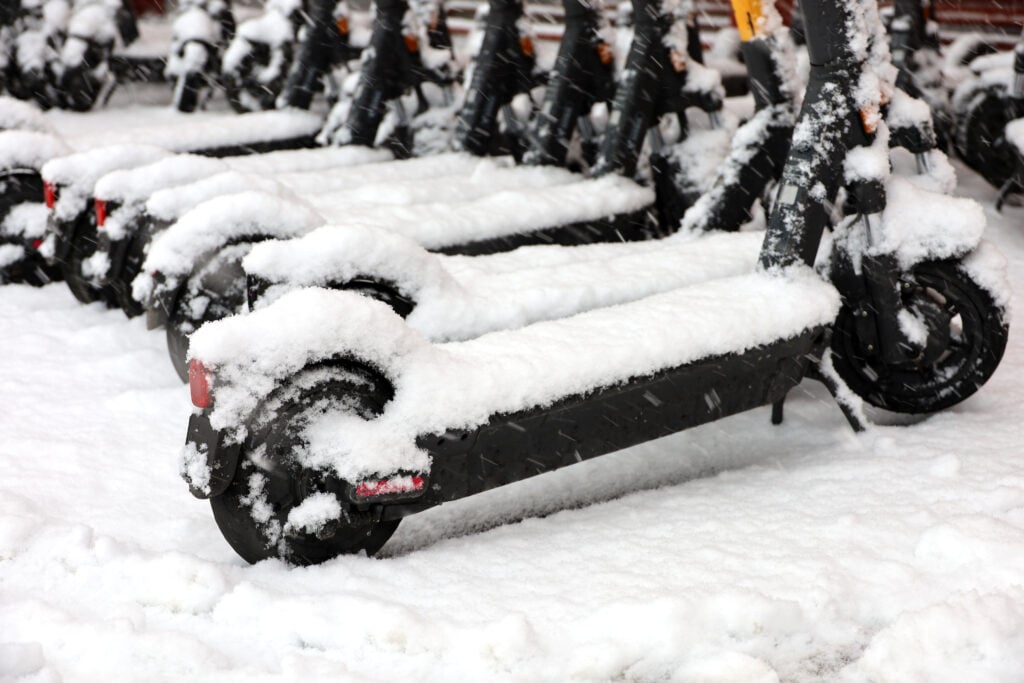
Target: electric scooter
(983, 106)
(322, 419)
(256, 61)
(84, 77)
(563, 210)
(202, 30)
(397, 63)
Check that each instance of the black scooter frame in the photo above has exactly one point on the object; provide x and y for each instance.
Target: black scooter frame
(394, 67)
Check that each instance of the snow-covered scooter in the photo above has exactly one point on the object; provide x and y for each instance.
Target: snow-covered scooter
(404, 54)
(84, 77)
(323, 419)
(983, 107)
(567, 210)
(202, 29)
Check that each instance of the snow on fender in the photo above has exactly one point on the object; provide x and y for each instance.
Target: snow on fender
(213, 224)
(249, 356)
(21, 149)
(18, 115)
(335, 254)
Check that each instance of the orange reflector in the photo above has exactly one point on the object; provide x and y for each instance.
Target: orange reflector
(412, 44)
(605, 53)
(748, 15)
(869, 117)
(526, 45)
(342, 25)
(678, 61)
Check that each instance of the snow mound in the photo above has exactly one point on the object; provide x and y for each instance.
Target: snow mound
(137, 184)
(28, 149)
(216, 223)
(18, 115)
(172, 203)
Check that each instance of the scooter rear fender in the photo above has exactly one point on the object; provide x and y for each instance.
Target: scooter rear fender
(221, 458)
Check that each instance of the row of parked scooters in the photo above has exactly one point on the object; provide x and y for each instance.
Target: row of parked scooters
(368, 335)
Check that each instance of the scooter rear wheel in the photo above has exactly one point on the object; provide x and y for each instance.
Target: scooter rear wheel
(939, 379)
(270, 482)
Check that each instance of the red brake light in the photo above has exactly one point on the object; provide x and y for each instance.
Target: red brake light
(383, 487)
(101, 212)
(49, 194)
(199, 384)
(36, 243)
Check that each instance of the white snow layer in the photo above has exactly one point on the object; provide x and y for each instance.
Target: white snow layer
(213, 224)
(1015, 135)
(29, 149)
(453, 302)
(243, 129)
(19, 115)
(492, 202)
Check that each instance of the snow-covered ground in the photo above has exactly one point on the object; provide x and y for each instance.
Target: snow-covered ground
(733, 552)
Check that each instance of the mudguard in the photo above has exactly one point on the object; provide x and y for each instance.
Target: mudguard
(219, 458)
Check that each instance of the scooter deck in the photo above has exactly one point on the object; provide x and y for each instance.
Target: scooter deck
(727, 345)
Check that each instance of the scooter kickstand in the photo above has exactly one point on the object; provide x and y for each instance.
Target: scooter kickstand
(777, 411)
(843, 395)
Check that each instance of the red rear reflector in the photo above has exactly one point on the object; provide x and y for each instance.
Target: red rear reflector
(101, 212)
(49, 194)
(342, 26)
(526, 45)
(36, 244)
(199, 384)
(383, 487)
(412, 44)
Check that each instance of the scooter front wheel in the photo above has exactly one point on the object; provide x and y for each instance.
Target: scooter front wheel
(967, 336)
(253, 513)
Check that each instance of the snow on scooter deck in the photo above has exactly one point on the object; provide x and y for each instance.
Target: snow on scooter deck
(462, 385)
(455, 297)
(551, 198)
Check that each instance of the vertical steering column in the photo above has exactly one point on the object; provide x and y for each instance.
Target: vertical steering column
(583, 75)
(829, 125)
(502, 69)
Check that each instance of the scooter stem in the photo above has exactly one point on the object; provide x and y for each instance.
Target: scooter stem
(828, 126)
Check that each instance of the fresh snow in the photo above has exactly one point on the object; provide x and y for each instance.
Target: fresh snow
(734, 551)
(460, 298)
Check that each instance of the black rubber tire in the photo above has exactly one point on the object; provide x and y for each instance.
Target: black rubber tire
(71, 270)
(187, 92)
(980, 132)
(79, 92)
(974, 353)
(281, 483)
(33, 270)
